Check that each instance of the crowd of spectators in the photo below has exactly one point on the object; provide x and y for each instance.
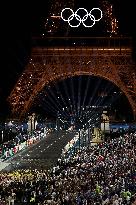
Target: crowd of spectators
(19, 142)
(101, 174)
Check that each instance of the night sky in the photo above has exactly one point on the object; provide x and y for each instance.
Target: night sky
(22, 21)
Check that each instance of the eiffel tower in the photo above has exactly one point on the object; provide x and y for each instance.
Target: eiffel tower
(57, 58)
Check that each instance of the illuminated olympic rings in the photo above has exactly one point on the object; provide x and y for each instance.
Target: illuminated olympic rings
(81, 20)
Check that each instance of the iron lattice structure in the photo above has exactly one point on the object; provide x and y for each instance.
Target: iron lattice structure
(108, 58)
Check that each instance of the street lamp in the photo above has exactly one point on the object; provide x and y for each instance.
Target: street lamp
(2, 134)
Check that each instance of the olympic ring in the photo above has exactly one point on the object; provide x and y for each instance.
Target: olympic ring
(81, 20)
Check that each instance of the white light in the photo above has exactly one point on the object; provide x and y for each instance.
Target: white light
(82, 20)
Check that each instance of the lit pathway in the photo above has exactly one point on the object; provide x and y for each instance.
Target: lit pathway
(42, 154)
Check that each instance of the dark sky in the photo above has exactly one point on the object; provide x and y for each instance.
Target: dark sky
(22, 21)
